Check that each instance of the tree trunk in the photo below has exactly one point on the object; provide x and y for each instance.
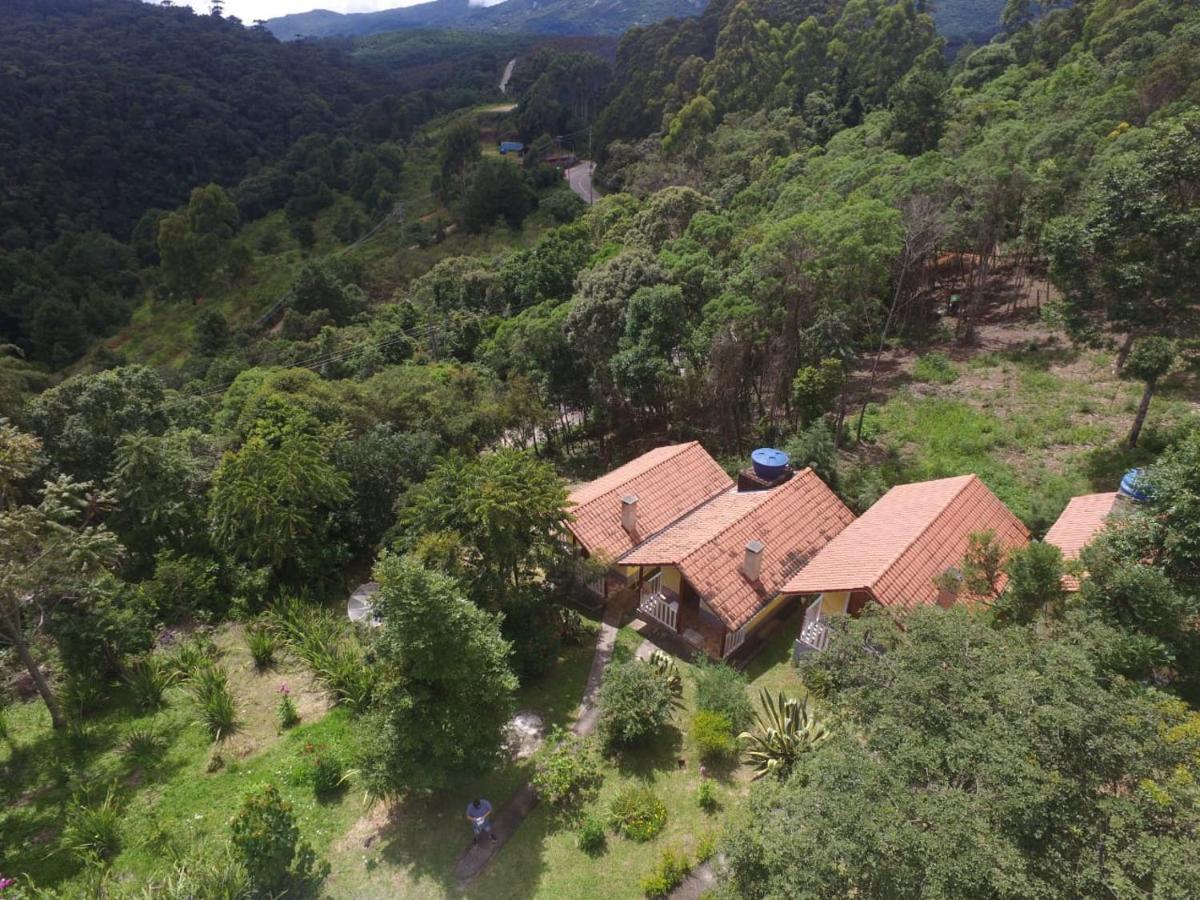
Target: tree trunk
(1140, 418)
(1123, 352)
(43, 686)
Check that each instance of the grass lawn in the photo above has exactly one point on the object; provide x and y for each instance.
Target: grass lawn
(415, 853)
(176, 802)
(1038, 424)
(183, 800)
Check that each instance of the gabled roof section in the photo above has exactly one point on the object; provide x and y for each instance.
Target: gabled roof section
(793, 521)
(669, 482)
(913, 534)
(1080, 522)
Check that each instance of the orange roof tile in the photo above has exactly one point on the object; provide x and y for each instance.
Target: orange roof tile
(668, 482)
(793, 521)
(913, 534)
(1079, 523)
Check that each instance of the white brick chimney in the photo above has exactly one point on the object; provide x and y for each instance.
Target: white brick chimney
(629, 513)
(752, 566)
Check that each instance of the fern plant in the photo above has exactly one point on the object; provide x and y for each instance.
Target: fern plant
(783, 731)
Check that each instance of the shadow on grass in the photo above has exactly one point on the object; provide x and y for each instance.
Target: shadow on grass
(1040, 358)
(427, 834)
(1104, 466)
(661, 754)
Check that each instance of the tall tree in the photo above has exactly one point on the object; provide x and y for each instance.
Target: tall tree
(272, 498)
(959, 755)
(52, 550)
(446, 690)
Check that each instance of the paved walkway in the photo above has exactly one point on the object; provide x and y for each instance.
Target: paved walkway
(699, 880)
(521, 804)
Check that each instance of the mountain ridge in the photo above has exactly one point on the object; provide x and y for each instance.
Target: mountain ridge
(957, 20)
(602, 17)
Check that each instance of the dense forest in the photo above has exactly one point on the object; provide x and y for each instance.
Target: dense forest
(335, 336)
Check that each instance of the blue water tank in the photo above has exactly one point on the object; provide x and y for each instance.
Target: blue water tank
(769, 463)
(1132, 488)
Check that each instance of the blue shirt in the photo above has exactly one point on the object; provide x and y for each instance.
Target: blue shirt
(478, 812)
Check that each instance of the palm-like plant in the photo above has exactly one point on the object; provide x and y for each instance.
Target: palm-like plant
(783, 731)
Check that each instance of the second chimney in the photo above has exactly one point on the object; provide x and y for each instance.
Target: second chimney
(629, 512)
(752, 566)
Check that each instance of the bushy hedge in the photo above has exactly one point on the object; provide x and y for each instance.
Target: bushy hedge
(635, 704)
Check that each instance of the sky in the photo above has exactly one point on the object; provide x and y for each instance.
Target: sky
(249, 10)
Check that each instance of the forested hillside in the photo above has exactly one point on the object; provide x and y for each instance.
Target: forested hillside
(594, 17)
(383, 354)
(958, 20)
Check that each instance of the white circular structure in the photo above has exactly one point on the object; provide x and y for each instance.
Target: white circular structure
(359, 607)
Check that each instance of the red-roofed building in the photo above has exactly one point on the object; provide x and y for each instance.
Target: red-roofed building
(894, 553)
(1080, 522)
(713, 577)
(616, 512)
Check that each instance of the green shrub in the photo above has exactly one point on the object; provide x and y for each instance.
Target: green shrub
(98, 627)
(935, 368)
(186, 587)
(668, 874)
(635, 703)
(563, 205)
(722, 689)
(81, 696)
(289, 716)
(209, 687)
(93, 830)
(148, 679)
(328, 647)
(192, 653)
(266, 840)
(263, 645)
(712, 735)
(706, 847)
(205, 876)
(706, 796)
(142, 746)
(535, 629)
(638, 813)
(590, 836)
(321, 769)
(567, 771)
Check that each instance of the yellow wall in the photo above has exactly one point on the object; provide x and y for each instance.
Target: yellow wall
(763, 614)
(835, 603)
(672, 580)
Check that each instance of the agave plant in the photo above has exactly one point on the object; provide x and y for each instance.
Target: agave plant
(784, 729)
(668, 669)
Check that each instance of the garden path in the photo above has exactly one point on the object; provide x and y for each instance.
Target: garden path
(521, 804)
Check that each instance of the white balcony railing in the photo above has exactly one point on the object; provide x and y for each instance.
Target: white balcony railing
(734, 639)
(659, 608)
(815, 634)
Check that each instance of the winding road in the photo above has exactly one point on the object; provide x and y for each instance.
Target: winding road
(508, 70)
(579, 177)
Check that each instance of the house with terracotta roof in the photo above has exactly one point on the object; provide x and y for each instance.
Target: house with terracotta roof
(714, 576)
(895, 552)
(616, 512)
(1083, 519)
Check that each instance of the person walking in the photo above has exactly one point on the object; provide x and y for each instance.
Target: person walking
(479, 814)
